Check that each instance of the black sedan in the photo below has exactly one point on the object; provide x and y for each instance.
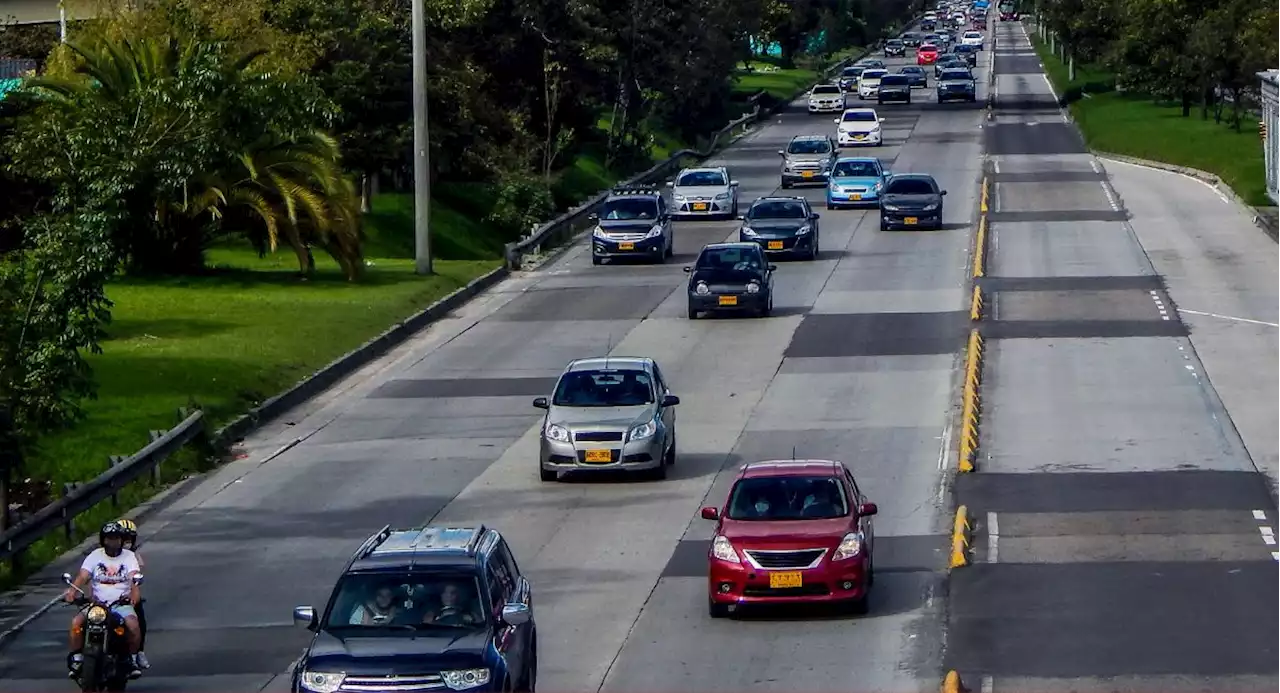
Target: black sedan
(896, 87)
(731, 277)
(894, 48)
(949, 61)
(909, 201)
(783, 226)
(957, 85)
(968, 53)
(911, 39)
(916, 76)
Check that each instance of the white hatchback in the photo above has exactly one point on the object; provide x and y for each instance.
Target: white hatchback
(869, 83)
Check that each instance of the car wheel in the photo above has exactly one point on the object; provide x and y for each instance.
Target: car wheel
(548, 475)
(884, 226)
(861, 605)
(658, 473)
(671, 249)
(693, 314)
(669, 458)
(768, 307)
(595, 259)
(832, 205)
(531, 671)
(715, 610)
(813, 254)
(786, 185)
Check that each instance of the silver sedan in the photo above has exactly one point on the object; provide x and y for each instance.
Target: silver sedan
(610, 413)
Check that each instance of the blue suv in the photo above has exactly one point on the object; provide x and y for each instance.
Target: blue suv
(427, 609)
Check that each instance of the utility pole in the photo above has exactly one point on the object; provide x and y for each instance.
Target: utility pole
(421, 146)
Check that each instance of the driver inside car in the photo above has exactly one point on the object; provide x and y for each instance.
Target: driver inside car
(455, 607)
(109, 570)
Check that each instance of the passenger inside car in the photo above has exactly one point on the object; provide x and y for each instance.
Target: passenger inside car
(457, 607)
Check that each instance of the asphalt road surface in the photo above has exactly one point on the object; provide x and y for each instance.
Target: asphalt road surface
(858, 363)
(1126, 537)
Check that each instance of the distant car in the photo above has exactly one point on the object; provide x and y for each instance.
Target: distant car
(911, 39)
(807, 159)
(791, 531)
(871, 63)
(915, 75)
(949, 61)
(608, 414)
(967, 52)
(732, 277)
(633, 222)
(928, 25)
(895, 88)
(826, 98)
(1010, 16)
(930, 38)
(782, 225)
(856, 181)
(973, 38)
(911, 201)
(859, 127)
(894, 48)
(926, 54)
(957, 85)
(869, 84)
(704, 192)
(848, 79)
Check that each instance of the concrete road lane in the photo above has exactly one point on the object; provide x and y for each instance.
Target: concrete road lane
(858, 364)
(1125, 537)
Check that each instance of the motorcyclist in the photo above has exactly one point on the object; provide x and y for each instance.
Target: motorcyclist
(131, 543)
(109, 570)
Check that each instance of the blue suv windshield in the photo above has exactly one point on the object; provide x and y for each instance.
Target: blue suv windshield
(628, 209)
(373, 602)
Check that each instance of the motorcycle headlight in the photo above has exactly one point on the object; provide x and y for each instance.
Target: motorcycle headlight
(753, 287)
(644, 430)
(97, 615)
(598, 232)
(930, 208)
(557, 433)
(722, 550)
(322, 681)
(849, 547)
(803, 230)
(464, 679)
(748, 231)
(701, 289)
(654, 232)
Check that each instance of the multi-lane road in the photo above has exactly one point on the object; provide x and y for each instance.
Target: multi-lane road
(858, 363)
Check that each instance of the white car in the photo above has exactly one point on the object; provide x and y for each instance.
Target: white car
(859, 126)
(869, 83)
(826, 98)
(972, 38)
(704, 192)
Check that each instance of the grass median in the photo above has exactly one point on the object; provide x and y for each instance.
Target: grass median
(1139, 126)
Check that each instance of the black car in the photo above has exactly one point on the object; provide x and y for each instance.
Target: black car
(911, 200)
(968, 53)
(911, 39)
(957, 84)
(894, 47)
(896, 87)
(915, 75)
(432, 608)
(731, 277)
(949, 61)
(782, 225)
(633, 222)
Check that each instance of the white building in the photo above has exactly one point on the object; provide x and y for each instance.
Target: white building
(1271, 121)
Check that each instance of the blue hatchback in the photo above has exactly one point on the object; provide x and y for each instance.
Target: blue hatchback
(856, 181)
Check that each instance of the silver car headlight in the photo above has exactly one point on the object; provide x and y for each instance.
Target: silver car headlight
(748, 231)
(753, 287)
(556, 432)
(701, 289)
(930, 208)
(677, 197)
(849, 547)
(322, 681)
(722, 196)
(642, 431)
(654, 232)
(465, 679)
(891, 208)
(803, 230)
(824, 163)
(599, 233)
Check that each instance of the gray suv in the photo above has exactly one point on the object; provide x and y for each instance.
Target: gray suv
(807, 159)
(609, 414)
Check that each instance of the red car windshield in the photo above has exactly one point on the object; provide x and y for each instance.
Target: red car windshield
(779, 498)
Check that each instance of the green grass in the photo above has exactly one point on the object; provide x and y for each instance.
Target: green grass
(1136, 125)
(779, 84)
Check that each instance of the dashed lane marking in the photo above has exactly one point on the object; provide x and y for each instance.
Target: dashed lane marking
(993, 538)
(1164, 312)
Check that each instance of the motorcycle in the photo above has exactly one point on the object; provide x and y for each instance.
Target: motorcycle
(107, 662)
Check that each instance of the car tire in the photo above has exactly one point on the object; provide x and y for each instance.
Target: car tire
(768, 307)
(693, 314)
(548, 474)
(530, 684)
(860, 606)
(786, 185)
(832, 205)
(715, 610)
(659, 472)
(595, 259)
(669, 457)
(884, 226)
(671, 250)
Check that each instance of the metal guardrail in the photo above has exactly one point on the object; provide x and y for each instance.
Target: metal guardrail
(78, 498)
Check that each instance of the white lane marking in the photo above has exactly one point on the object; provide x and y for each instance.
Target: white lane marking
(993, 539)
(995, 165)
(1275, 555)
(1164, 314)
(944, 448)
(1093, 164)
(1259, 515)
(1229, 317)
(987, 684)
(1268, 537)
(1111, 198)
(1205, 183)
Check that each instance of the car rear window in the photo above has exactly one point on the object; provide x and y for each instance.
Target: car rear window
(909, 186)
(774, 498)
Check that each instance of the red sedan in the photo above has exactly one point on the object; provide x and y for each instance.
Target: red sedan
(927, 54)
(791, 531)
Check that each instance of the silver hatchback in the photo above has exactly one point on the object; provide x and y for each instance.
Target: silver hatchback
(608, 413)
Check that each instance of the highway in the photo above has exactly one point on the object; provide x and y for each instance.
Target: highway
(858, 363)
(1125, 532)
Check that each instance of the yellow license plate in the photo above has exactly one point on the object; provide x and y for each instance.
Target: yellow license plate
(599, 456)
(855, 198)
(785, 580)
(700, 206)
(910, 220)
(775, 245)
(626, 246)
(807, 174)
(859, 137)
(728, 300)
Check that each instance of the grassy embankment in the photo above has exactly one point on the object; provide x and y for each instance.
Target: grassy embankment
(1136, 125)
(250, 329)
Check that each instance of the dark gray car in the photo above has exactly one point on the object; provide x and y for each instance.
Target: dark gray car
(957, 85)
(916, 74)
(910, 201)
(782, 225)
(894, 88)
(609, 413)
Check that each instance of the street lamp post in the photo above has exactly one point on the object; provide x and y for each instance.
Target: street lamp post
(421, 146)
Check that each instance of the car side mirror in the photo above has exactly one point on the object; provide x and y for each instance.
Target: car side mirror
(304, 616)
(944, 192)
(66, 577)
(541, 403)
(868, 509)
(773, 268)
(742, 217)
(670, 400)
(836, 121)
(710, 513)
(593, 217)
(688, 269)
(671, 184)
(781, 153)
(516, 614)
(882, 120)
(815, 216)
